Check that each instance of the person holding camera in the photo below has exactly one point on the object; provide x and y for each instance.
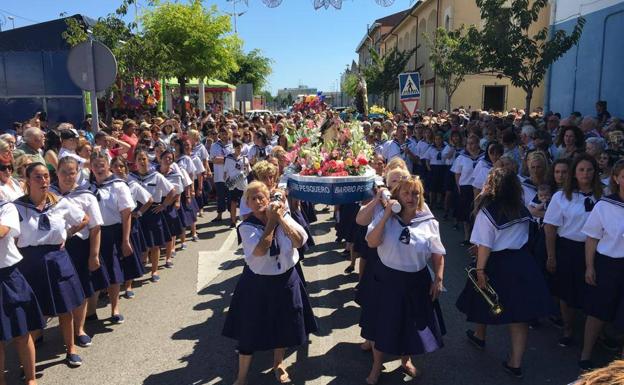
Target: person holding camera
(270, 308)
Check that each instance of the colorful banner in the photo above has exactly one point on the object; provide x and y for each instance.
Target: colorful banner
(331, 190)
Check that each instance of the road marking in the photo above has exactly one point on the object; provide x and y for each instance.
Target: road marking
(212, 263)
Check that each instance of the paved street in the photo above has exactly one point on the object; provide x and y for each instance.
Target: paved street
(172, 329)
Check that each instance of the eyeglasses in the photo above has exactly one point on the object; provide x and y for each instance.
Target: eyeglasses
(4, 167)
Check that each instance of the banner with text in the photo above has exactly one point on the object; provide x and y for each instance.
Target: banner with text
(331, 190)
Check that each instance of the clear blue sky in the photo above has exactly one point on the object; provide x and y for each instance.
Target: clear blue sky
(307, 46)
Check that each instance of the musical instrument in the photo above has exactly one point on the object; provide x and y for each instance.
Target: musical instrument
(488, 293)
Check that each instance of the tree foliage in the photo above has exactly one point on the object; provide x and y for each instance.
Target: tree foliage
(509, 46)
(453, 55)
(382, 76)
(252, 68)
(350, 84)
(194, 41)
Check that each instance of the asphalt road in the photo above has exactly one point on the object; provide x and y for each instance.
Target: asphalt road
(172, 329)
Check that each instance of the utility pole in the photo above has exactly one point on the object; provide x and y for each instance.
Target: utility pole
(235, 15)
(12, 18)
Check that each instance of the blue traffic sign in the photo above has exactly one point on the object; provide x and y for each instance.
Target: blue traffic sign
(409, 85)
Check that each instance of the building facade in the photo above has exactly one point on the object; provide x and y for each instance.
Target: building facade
(417, 25)
(591, 71)
(293, 92)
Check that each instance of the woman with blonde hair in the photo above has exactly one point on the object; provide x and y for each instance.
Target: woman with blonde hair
(406, 295)
(270, 309)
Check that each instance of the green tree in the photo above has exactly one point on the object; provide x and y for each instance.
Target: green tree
(194, 41)
(453, 55)
(252, 68)
(289, 99)
(382, 76)
(350, 85)
(507, 47)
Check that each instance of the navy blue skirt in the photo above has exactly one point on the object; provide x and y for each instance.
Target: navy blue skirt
(20, 312)
(436, 178)
(309, 211)
(111, 253)
(186, 211)
(345, 228)
(269, 312)
(132, 265)
(91, 281)
(463, 208)
(52, 277)
(604, 300)
(539, 252)
(360, 245)
(173, 221)
(155, 231)
(405, 319)
(569, 280)
(449, 180)
(200, 199)
(366, 296)
(520, 286)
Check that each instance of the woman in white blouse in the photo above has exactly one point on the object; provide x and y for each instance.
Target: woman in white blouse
(10, 188)
(409, 319)
(565, 241)
(270, 307)
(501, 234)
(604, 264)
(46, 222)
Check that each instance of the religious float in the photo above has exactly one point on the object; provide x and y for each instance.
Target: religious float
(330, 162)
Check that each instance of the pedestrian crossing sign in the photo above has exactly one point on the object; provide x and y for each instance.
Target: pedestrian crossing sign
(409, 85)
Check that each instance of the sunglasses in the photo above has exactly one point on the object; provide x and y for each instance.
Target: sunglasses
(4, 167)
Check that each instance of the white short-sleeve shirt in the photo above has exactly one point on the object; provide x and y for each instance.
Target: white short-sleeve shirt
(201, 152)
(499, 236)
(177, 180)
(529, 191)
(256, 151)
(9, 255)
(568, 215)
(605, 224)
(139, 194)
(434, 156)
(84, 199)
(61, 216)
(155, 183)
(464, 165)
(114, 197)
(270, 264)
(480, 173)
(186, 163)
(11, 190)
(408, 247)
(217, 150)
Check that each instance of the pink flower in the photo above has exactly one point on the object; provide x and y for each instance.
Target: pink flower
(311, 124)
(362, 161)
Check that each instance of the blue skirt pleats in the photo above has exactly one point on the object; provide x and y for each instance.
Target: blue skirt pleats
(269, 311)
(449, 180)
(405, 319)
(173, 221)
(539, 253)
(520, 286)
(360, 245)
(19, 308)
(569, 281)
(200, 199)
(52, 277)
(132, 265)
(91, 281)
(111, 253)
(154, 228)
(605, 299)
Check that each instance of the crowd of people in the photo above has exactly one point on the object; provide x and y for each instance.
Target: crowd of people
(537, 197)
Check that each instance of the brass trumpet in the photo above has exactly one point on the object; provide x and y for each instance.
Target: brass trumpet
(488, 293)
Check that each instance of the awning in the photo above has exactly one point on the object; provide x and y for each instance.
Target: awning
(211, 85)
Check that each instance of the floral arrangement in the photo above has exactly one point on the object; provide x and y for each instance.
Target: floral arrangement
(377, 110)
(339, 150)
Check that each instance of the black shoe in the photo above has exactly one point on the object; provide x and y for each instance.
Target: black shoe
(586, 365)
(350, 269)
(515, 372)
(564, 342)
(232, 225)
(477, 342)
